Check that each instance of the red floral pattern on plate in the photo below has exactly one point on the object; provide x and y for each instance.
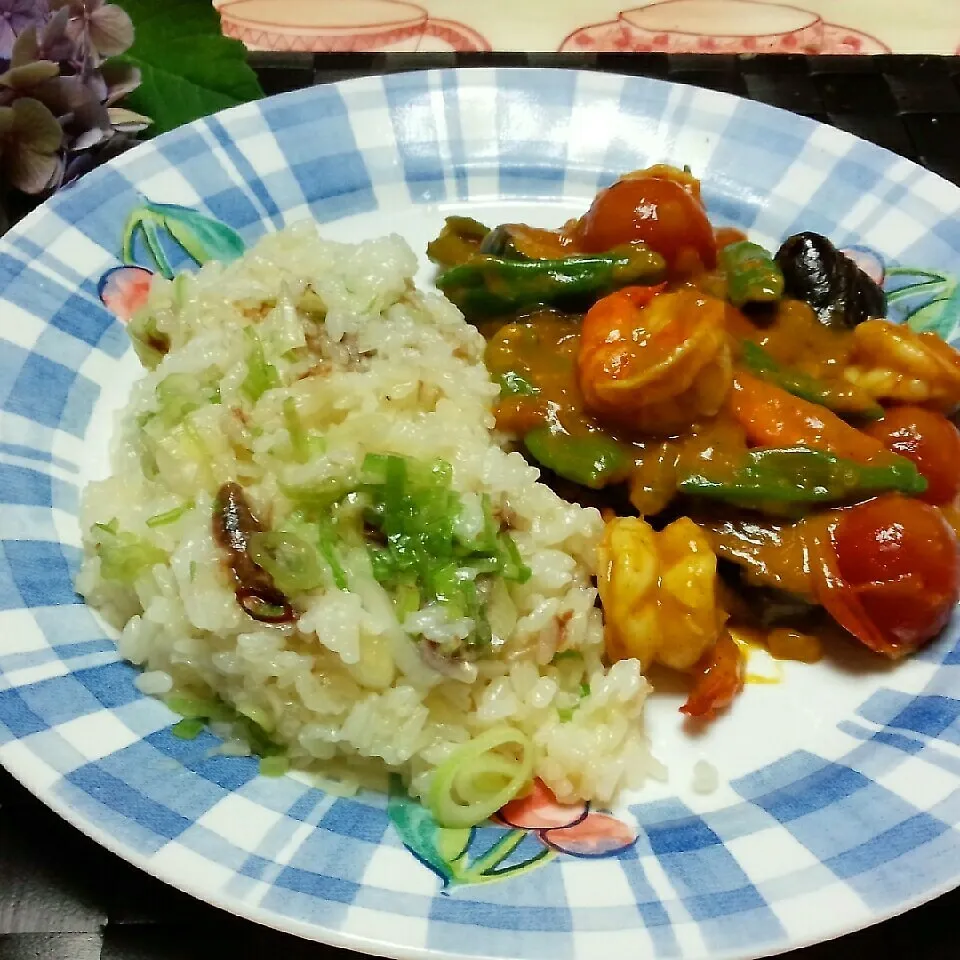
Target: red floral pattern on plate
(124, 290)
(596, 835)
(539, 810)
(567, 828)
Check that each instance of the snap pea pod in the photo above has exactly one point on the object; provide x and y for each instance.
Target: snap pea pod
(514, 384)
(753, 276)
(492, 286)
(593, 460)
(792, 479)
(845, 400)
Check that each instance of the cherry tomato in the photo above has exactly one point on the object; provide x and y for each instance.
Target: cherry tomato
(895, 577)
(663, 213)
(931, 441)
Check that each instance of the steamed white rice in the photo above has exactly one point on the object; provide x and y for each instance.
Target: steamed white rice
(387, 370)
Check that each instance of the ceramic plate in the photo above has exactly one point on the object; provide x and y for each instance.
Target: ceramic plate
(838, 802)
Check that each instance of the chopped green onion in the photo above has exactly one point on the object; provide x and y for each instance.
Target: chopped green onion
(299, 441)
(482, 564)
(481, 776)
(179, 394)
(149, 342)
(567, 655)
(447, 587)
(258, 715)
(261, 375)
(413, 506)
(381, 564)
(171, 516)
(566, 713)
(188, 729)
(489, 536)
(317, 498)
(274, 766)
(311, 303)
(293, 562)
(327, 543)
(196, 707)
(406, 600)
(248, 726)
(181, 283)
(124, 556)
(189, 706)
(374, 468)
(409, 511)
(513, 568)
(252, 733)
(394, 482)
(482, 635)
(200, 449)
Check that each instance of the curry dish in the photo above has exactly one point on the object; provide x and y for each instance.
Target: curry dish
(775, 460)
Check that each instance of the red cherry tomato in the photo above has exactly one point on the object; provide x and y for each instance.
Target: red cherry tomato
(894, 578)
(931, 441)
(664, 213)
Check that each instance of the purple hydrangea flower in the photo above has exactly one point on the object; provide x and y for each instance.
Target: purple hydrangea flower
(15, 17)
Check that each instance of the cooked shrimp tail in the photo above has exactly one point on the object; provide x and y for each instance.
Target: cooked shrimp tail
(719, 678)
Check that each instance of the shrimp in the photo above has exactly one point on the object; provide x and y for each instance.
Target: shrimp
(893, 362)
(655, 363)
(659, 592)
(719, 678)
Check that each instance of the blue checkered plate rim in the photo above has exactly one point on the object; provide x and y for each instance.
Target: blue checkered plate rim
(838, 803)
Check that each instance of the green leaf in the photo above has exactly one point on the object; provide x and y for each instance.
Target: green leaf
(453, 842)
(433, 846)
(939, 316)
(487, 868)
(188, 68)
(202, 237)
(151, 233)
(933, 288)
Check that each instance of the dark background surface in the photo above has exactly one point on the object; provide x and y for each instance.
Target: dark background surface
(62, 897)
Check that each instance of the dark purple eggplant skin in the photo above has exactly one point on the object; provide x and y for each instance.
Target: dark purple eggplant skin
(839, 292)
(499, 243)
